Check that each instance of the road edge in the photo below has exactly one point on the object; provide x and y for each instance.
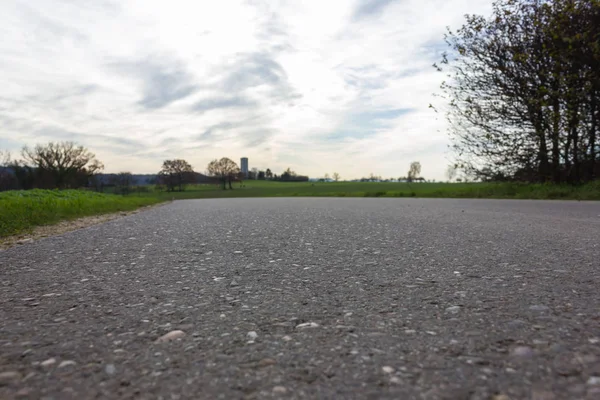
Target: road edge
(44, 231)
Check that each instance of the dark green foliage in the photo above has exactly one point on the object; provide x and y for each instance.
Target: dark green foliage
(523, 91)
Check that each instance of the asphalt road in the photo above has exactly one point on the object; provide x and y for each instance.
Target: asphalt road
(310, 298)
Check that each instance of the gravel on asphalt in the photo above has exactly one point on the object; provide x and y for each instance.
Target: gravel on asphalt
(331, 298)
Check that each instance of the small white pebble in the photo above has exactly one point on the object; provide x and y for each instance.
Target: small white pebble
(176, 334)
(286, 338)
(593, 380)
(388, 369)
(66, 363)
(307, 325)
(279, 390)
(251, 335)
(522, 351)
(48, 362)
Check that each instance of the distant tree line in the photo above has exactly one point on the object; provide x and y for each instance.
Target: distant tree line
(66, 165)
(287, 176)
(414, 171)
(523, 91)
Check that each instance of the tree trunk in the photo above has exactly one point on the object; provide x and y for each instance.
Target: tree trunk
(574, 133)
(555, 134)
(593, 128)
(543, 147)
(567, 155)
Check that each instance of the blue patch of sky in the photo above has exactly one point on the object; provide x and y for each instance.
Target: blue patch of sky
(369, 8)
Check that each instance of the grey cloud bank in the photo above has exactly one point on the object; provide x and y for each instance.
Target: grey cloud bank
(316, 86)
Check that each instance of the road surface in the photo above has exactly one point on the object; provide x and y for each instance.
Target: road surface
(332, 298)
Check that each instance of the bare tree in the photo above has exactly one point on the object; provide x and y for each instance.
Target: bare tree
(451, 172)
(4, 158)
(414, 171)
(326, 177)
(62, 164)
(225, 169)
(336, 176)
(176, 173)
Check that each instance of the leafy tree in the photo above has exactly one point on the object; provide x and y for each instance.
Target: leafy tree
(176, 174)
(523, 90)
(287, 174)
(60, 165)
(414, 171)
(225, 170)
(269, 174)
(336, 176)
(261, 175)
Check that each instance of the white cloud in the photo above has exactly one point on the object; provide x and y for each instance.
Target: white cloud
(320, 86)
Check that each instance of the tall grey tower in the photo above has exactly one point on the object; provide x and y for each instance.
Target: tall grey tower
(244, 166)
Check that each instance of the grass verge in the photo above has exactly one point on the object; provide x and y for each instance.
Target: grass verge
(590, 191)
(20, 211)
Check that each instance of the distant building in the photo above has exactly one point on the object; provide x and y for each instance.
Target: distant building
(244, 166)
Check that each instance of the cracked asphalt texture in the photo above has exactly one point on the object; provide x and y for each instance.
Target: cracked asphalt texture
(408, 299)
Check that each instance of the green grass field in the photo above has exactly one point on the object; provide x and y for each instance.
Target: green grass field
(22, 210)
(381, 189)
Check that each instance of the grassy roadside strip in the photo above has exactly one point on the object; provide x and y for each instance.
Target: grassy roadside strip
(489, 191)
(20, 211)
(590, 191)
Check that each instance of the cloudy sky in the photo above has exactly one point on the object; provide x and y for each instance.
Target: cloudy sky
(319, 86)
